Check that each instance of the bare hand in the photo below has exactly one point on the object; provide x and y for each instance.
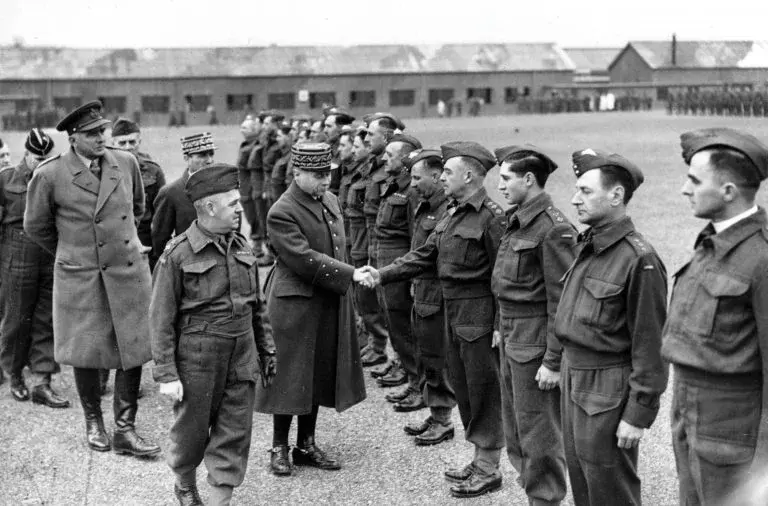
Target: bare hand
(367, 276)
(173, 389)
(547, 378)
(628, 435)
(496, 339)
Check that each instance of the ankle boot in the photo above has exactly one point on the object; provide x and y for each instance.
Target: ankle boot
(126, 404)
(308, 454)
(89, 391)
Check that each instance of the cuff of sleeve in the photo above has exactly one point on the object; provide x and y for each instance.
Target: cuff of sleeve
(638, 415)
(165, 373)
(552, 361)
(386, 275)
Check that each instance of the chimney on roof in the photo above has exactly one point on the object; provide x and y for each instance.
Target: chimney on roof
(674, 50)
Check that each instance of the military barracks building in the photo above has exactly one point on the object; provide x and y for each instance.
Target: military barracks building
(153, 84)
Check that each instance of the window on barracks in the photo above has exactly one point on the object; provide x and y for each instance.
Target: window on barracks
(239, 102)
(156, 103)
(67, 103)
(438, 94)
(198, 103)
(483, 93)
(281, 101)
(401, 98)
(320, 99)
(510, 95)
(113, 105)
(662, 93)
(362, 98)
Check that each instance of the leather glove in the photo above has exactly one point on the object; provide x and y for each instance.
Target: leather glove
(268, 369)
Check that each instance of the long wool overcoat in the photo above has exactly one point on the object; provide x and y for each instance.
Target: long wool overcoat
(101, 284)
(310, 308)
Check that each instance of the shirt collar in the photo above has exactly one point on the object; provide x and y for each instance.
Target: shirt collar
(86, 161)
(723, 242)
(432, 203)
(475, 200)
(606, 236)
(199, 238)
(722, 225)
(531, 209)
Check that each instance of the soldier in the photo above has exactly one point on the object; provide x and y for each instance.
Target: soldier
(83, 207)
(206, 336)
(716, 336)
(251, 130)
(5, 155)
(332, 126)
(428, 315)
(535, 252)
(392, 232)
(174, 212)
(26, 297)
(318, 352)
(280, 170)
(462, 249)
(271, 153)
(609, 322)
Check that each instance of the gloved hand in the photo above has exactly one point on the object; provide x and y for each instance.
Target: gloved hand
(268, 369)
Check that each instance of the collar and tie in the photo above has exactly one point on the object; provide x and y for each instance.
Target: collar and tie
(95, 168)
(705, 237)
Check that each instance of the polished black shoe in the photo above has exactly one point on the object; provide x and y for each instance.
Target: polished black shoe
(399, 395)
(414, 429)
(187, 496)
(436, 434)
(278, 461)
(96, 435)
(413, 402)
(395, 377)
(381, 371)
(371, 357)
(461, 474)
(19, 389)
(129, 443)
(311, 455)
(45, 395)
(477, 485)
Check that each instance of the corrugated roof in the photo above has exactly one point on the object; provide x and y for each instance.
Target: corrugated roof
(592, 59)
(62, 63)
(703, 53)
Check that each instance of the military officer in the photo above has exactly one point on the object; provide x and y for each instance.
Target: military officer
(335, 119)
(318, 352)
(716, 336)
(26, 327)
(463, 249)
(428, 315)
(251, 130)
(83, 206)
(535, 252)
(174, 212)
(208, 335)
(609, 321)
(392, 233)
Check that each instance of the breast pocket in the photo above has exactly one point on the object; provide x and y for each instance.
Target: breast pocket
(523, 264)
(15, 196)
(249, 282)
(395, 213)
(603, 302)
(466, 246)
(199, 279)
(356, 197)
(720, 308)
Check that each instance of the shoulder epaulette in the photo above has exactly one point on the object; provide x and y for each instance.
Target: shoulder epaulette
(638, 243)
(47, 160)
(555, 214)
(174, 243)
(493, 207)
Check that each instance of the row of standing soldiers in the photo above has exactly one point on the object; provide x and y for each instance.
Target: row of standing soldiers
(719, 102)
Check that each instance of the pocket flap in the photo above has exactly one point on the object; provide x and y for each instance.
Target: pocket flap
(198, 267)
(722, 285)
(523, 244)
(602, 289)
(471, 333)
(594, 403)
(424, 309)
(469, 233)
(724, 453)
(14, 188)
(523, 354)
(248, 260)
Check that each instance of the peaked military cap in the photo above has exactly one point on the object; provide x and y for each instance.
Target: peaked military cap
(311, 156)
(418, 155)
(470, 150)
(503, 154)
(124, 126)
(589, 159)
(406, 139)
(197, 143)
(38, 142)
(697, 140)
(83, 119)
(213, 179)
(342, 116)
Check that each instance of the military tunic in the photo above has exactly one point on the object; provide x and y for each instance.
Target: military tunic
(463, 251)
(174, 213)
(244, 176)
(609, 321)
(255, 168)
(535, 252)
(372, 200)
(153, 178)
(206, 327)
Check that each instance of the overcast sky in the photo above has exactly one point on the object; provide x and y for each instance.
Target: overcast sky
(179, 23)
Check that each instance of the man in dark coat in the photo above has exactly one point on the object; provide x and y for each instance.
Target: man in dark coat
(83, 206)
(250, 128)
(310, 312)
(174, 212)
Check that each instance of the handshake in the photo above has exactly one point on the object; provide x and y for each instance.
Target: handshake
(367, 276)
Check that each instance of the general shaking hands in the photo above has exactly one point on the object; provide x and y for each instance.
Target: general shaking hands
(367, 276)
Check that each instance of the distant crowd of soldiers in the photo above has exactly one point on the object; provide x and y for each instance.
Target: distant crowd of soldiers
(558, 103)
(725, 102)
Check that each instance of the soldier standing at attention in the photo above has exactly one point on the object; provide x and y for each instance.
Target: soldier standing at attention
(26, 297)
(174, 212)
(208, 335)
(335, 120)
(716, 337)
(609, 321)
(462, 249)
(535, 252)
(250, 128)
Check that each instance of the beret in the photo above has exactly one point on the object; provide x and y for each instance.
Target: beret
(750, 146)
(407, 139)
(197, 143)
(124, 126)
(84, 118)
(470, 150)
(38, 142)
(418, 155)
(311, 156)
(588, 159)
(213, 179)
(502, 154)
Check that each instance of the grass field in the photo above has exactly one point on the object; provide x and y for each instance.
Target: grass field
(43, 457)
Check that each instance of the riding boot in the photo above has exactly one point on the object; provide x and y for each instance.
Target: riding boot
(126, 404)
(89, 391)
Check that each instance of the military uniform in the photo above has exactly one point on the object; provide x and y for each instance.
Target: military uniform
(373, 193)
(535, 251)
(174, 213)
(272, 154)
(280, 170)
(153, 178)
(246, 184)
(255, 167)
